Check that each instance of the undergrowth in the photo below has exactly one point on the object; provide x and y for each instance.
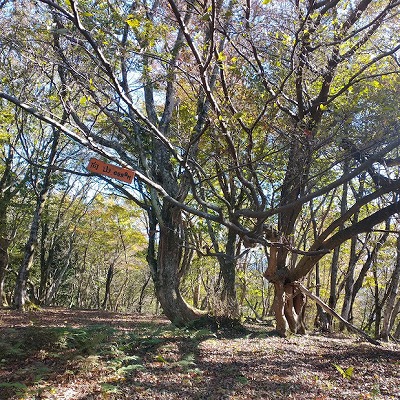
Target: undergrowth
(114, 353)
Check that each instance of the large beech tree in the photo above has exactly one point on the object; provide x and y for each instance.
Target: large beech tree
(228, 111)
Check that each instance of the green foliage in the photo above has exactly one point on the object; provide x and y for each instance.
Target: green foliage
(88, 341)
(108, 388)
(345, 373)
(17, 388)
(242, 379)
(6, 120)
(160, 358)
(83, 341)
(186, 363)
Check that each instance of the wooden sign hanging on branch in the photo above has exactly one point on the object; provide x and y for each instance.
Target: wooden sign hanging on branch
(112, 171)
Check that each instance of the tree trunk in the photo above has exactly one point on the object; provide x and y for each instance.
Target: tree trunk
(6, 195)
(228, 271)
(348, 289)
(333, 295)
(279, 309)
(378, 305)
(4, 244)
(351, 327)
(52, 290)
(349, 284)
(197, 292)
(388, 317)
(121, 290)
(295, 309)
(289, 304)
(371, 259)
(227, 264)
(20, 291)
(142, 295)
(322, 319)
(166, 281)
(48, 250)
(333, 292)
(397, 332)
(107, 294)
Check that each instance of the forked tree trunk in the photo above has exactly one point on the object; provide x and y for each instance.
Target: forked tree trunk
(289, 303)
(289, 309)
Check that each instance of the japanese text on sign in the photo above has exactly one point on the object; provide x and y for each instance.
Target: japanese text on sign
(112, 171)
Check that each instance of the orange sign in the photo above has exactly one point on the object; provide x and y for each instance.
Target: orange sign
(102, 168)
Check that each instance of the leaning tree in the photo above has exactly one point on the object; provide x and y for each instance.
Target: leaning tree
(228, 111)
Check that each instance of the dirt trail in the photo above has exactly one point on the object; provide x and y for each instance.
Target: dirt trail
(78, 354)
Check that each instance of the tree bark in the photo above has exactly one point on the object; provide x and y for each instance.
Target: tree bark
(371, 259)
(333, 295)
(282, 324)
(4, 244)
(349, 284)
(107, 294)
(397, 332)
(289, 306)
(142, 295)
(388, 317)
(323, 321)
(20, 291)
(228, 271)
(378, 304)
(294, 309)
(6, 194)
(166, 281)
(197, 292)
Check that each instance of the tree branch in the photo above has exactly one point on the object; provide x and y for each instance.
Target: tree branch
(332, 312)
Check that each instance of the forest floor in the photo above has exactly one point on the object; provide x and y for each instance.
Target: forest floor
(76, 355)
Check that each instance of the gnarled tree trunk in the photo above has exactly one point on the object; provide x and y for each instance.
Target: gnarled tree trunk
(289, 302)
(166, 274)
